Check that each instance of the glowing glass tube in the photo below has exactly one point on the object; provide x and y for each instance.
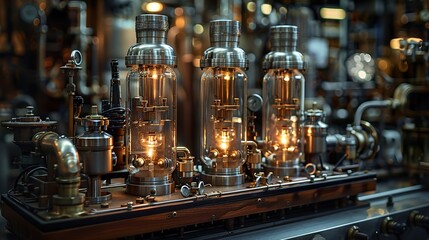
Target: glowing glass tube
(283, 94)
(151, 100)
(224, 105)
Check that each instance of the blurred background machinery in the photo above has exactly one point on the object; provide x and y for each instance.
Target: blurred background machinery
(366, 86)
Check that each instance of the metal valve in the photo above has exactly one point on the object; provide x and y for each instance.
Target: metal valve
(390, 226)
(419, 220)
(354, 234)
(261, 179)
(194, 189)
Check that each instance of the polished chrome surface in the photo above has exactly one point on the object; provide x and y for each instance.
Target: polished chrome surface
(156, 186)
(315, 132)
(284, 171)
(283, 53)
(95, 150)
(94, 145)
(94, 193)
(224, 50)
(223, 180)
(151, 47)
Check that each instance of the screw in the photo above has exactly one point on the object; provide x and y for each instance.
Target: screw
(104, 205)
(129, 205)
(140, 200)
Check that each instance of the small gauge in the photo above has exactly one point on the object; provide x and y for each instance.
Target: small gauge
(201, 188)
(185, 190)
(254, 102)
(76, 56)
(28, 13)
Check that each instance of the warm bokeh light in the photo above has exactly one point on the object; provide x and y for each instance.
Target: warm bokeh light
(153, 7)
(251, 6)
(180, 22)
(266, 8)
(198, 29)
(396, 42)
(332, 13)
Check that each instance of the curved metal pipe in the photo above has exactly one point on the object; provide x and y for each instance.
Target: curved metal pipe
(68, 160)
(63, 167)
(370, 104)
(60, 151)
(183, 150)
(252, 145)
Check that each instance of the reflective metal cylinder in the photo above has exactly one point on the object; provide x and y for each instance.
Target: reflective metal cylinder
(315, 132)
(95, 151)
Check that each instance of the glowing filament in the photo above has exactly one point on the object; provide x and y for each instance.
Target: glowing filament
(150, 152)
(284, 138)
(152, 140)
(286, 78)
(224, 139)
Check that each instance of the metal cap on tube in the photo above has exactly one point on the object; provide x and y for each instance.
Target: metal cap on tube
(283, 49)
(224, 32)
(151, 22)
(284, 37)
(151, 28)
(151, 47)
(224, 50)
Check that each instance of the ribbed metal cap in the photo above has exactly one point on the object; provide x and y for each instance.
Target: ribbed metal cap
(151, 22)
(151, 47)
(224, 50)
(283, 49)
(284, 36)
(151, 26)
(224, 31)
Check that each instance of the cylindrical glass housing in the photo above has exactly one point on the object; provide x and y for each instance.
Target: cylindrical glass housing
(151, 97)
(283, 94)
(223, 114)
(223, 106)
(151, 101)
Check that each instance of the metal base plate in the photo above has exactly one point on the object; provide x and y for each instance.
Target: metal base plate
(152, 189)
(223, 180)
(283, 171)
(104, 197)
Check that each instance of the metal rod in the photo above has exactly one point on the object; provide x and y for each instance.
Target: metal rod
(218, 194)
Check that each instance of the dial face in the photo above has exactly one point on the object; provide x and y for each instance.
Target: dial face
(361, 67)
(76, 56)
(254, 102)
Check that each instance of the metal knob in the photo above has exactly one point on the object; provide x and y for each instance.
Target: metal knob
(185, 190)
(354, 234)
(419, 220)
(389, 226)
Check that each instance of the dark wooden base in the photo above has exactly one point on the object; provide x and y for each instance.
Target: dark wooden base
(175, 214)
